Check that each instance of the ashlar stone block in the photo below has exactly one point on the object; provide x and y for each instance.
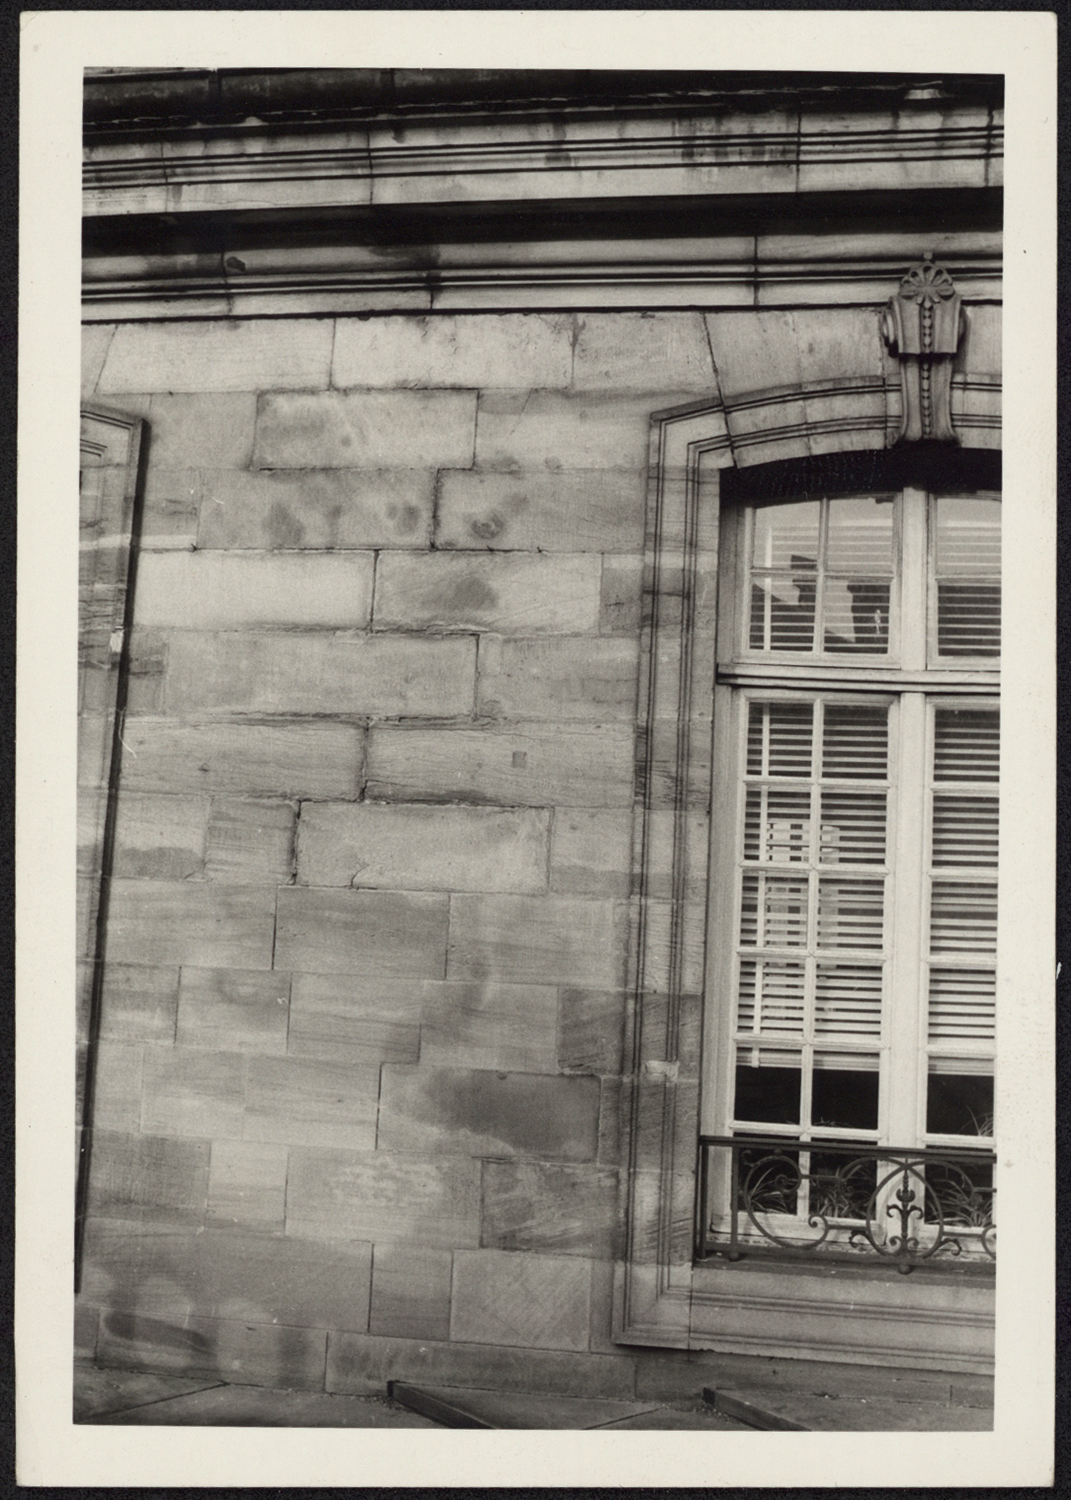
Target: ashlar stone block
(533, 351)
(160, 836)
(383, 1197)
(117, 1095)
(247, 1186)
(139, 1003)
(232, 355)
(441, 1111)
(95, 340)
(416, 847)
(567, 677)
(506, 1027)
(550, 1209)
(229, 1010)
(163, 922)
(372, 934)
(362, 1363)
(521, 939)
(360, 1022)
(568, 510)
(193, 1092)
(591, 1029)
(547, 431)
(277, 1356)
(306, 673)
(410, 1292)
(279, 509)
(170, 506)
(250, 843)
(487, 591)
(309, 1102)
(201, 431)
(241, 591)
(642, 351)
(528, 1301)
(534, 765)
(231, 1274)
(366, 430)
(305, 759)
(591, 851)
(145, 1177)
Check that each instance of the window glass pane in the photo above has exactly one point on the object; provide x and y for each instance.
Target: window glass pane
(962, 1004)
(968, 618)
(771, 996)
(860, 535)
(855, 741)
(964, 830)
(832, 557)
(769, 1093)
(777, 825)
(844, 1091)
(961, 1191)
(773, 911)
(966, 744)
(856, 615)
(963, 918)
(958, 1102)
(853, 827)
(847, 1000)
(782, 613)
(786, 536)
(967, 534)
(851, 913)
(967, 562)
(779, 739)
(840, 1187)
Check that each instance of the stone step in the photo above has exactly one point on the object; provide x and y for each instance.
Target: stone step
(795, 1412)
(459, 1406)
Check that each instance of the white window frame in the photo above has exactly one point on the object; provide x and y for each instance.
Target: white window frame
(902, 680)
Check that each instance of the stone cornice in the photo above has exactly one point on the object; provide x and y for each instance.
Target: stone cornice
(742, 271)
(501, 162)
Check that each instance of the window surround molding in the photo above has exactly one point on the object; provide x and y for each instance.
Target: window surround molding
(866, 1315)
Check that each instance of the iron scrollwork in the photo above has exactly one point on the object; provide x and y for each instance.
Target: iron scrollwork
(903, 1206)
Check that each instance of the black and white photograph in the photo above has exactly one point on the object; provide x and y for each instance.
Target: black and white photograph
(560, 924)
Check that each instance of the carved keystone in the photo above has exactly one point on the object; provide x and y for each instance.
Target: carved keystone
(922, 325)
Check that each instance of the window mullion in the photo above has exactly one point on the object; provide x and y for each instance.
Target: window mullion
(904, 924)
(914, 571)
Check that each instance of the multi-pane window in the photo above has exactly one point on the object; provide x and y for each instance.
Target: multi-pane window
(857, 747)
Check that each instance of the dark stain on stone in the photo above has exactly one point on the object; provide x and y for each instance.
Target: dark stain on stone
(470, 595)
(486, 528)
(524, 1112)
(283, 527)
(407, 517)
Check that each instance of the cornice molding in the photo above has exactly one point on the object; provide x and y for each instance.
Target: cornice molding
(744, 271)
(696, 155)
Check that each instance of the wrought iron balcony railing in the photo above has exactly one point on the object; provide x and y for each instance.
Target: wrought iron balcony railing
(846, 1201)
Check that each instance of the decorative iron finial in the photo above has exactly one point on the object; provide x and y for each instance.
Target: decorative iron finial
(922, 325)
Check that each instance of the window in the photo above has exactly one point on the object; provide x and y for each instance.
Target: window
(854, 869)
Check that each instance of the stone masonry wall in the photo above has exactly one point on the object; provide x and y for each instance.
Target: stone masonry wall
(358, 1080)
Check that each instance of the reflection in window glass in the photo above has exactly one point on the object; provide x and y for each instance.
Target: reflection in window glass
(821, 574)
